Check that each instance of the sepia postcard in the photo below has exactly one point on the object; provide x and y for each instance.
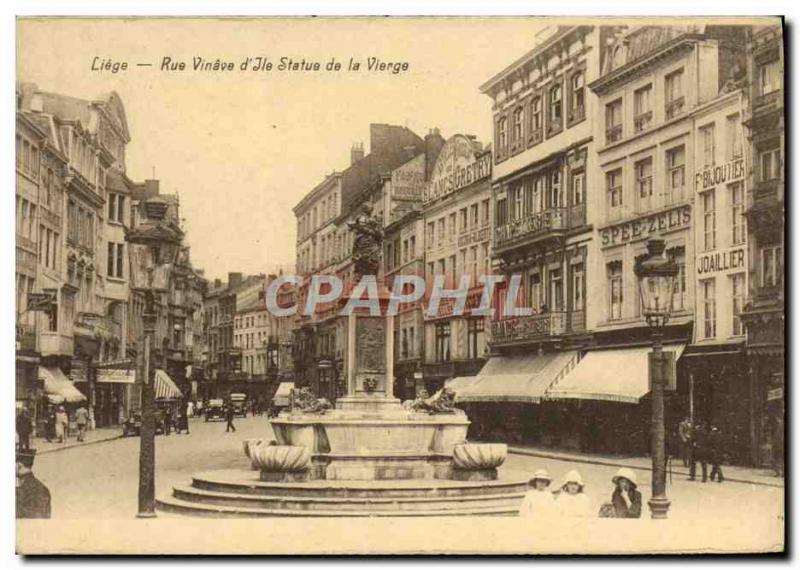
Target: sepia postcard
(400, 285)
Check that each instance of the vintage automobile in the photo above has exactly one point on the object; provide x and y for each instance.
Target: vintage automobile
(215, 409)
(239, 403)
(132, 425)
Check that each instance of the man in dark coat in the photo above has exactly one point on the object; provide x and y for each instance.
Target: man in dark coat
(24, 429)
(715, 453)
(33, 497)
(229, 415)
(699, 451)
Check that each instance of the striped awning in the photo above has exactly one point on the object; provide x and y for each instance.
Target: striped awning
(612, 375)
(58, 387)
(165, 388)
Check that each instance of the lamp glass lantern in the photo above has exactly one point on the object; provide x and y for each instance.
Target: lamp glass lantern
(657, 280)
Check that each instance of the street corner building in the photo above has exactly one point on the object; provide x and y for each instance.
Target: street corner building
(78, 311)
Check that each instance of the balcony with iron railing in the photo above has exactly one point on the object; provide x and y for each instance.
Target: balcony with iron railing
(642, 121)
(537, 327)
(675, 107)
(539, 225)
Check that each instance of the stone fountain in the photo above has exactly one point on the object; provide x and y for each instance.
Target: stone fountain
(370, 455)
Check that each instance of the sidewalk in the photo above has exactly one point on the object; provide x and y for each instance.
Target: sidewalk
(751, 475)
(41, 445)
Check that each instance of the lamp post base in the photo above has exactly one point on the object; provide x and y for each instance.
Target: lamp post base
(659, 506)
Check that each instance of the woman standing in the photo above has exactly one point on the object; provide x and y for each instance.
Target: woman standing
(572, 501)
(62, 423)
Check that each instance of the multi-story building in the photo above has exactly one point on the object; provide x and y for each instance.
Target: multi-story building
(324, 246)
(764, 311)
(542, 238)
(456, 218)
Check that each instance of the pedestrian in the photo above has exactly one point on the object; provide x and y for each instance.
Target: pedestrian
(229, 415)
(539, 501)
(626, 499)
(685, 434)
(33, 496)
(699, 451)
(572, 501)
(82, 422)
(50, 424)
(24, 429)
(715, 453)
(190, 409)
(62, 423)
(183, 418)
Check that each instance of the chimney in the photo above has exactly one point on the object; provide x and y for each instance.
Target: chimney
(234, 279)
(217, 283)
(150, 188)
(433, 146)
(356, 152)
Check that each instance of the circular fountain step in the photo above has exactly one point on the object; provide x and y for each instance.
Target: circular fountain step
(239, 493)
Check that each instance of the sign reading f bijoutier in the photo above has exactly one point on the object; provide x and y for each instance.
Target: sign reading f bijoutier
(457, 167)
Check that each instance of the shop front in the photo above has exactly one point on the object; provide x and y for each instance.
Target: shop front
(114, 392)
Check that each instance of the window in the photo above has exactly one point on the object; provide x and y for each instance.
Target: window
(578, 282)
(412, 246)
(501, 214)
(614, 121)
(707, 136)
(677, 256)
(578, 188)
(536, 115)
(739, 293)
(642, 107)
(473, 268)
(614, 278)
(485, 212)
(517, 125)
(771, 266)
(441, 230)
(736, 193)
(708, 289)
(556, 195)
(644, 183)
(516, 202)
(733, 137)
(473, 215)
(430, 234)
(770, 161)
(475, 338)
(769, 77)
(538, 194)
(502, 134)
(115, 260)
(577, 96)
(676, 170)
(452, 226)
(462, 219)
(556, 290)
(442, 342)
(709, 220)
(614, 192)
(673, 93)
(556, 110)
(535, 290)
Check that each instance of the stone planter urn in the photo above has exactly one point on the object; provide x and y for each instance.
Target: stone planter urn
(478, 461)
(281, 463)
(249, 444)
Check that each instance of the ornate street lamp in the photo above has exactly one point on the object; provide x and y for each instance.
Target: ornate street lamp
(154, 248)
(657, 277)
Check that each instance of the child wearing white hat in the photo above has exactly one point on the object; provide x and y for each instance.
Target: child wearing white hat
(572, 501)
(538, 501)
(627, 500)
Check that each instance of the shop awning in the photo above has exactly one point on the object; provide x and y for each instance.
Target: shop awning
(613, 375)
(514, 378)
(58, 387)
(165, 388)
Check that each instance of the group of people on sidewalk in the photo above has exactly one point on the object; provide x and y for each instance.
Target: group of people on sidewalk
(57, 425)
(701, 443)
(570, 500)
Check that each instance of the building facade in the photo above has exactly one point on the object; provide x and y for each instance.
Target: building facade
(764, 315)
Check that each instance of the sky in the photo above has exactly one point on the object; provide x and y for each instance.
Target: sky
(242, 148)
